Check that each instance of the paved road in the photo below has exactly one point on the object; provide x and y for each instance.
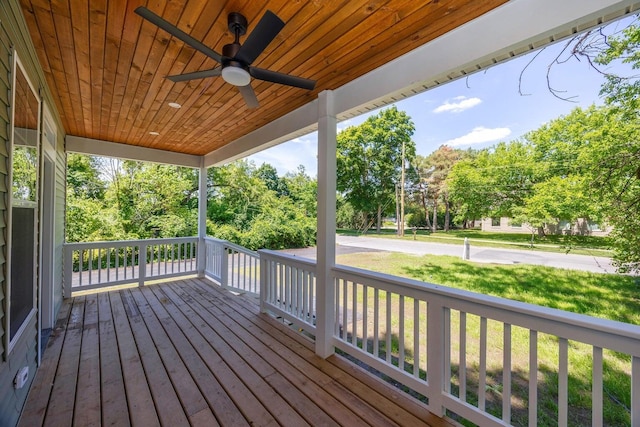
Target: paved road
(480, 254)
(354, 244)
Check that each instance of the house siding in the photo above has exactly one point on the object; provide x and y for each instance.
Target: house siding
(5, 61)
(59, 224)
(24, 350)
(14, 35)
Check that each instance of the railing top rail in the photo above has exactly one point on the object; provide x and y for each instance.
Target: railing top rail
(536, 315)
(241, 249)
(305, 263)
(112, 243)
(233, 246)
(214, 239)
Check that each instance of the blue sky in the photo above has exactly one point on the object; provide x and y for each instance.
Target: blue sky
(477, 111)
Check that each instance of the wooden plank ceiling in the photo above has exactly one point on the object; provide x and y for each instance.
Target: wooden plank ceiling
(106, 66)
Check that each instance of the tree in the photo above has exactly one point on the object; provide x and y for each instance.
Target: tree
(469, 187)
(369, 161)
(615, 173)
(269, 175)
(303, 191)
(496, 181)
(25, 168)
(421, 187)
(622, 93)
(618, 163)
(87, 217)
(557, 198)
(243, 209)
(582, 165)
(154, 200)
(601, 145)
(435, 170)
(83, 176)
(235, 194)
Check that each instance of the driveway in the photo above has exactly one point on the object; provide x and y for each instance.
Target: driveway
(353, 244)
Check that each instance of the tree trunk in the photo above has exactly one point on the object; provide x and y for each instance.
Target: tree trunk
(423, 198)
(446, 213)
(379, 223)
(434, 223)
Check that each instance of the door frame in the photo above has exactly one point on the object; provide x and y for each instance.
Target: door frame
(47, 221)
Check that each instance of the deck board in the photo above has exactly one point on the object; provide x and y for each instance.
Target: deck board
(334, 380)
(87, 406)
(188, 353)
(306, 380)
(41, 389)
(166, 400)
(141, 408)
(60, 409)
(112, 390)
(190, 396)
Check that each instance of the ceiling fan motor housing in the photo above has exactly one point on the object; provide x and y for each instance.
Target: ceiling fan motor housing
(230, 50)
(234, 71)
(237, 23)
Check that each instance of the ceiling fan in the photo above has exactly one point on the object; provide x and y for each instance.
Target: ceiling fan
(236, 59)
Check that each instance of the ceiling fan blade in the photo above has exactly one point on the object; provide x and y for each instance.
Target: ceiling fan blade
(249, 96)
(263, 34)
(196, 75)
(177, 33)
(283, 79)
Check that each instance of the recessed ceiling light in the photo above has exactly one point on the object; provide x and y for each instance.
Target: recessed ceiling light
(174, 105)
(154, 133)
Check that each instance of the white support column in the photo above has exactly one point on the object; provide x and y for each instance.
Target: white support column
(202, 219)
(326, 248)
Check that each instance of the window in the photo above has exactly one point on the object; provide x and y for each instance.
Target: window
(495, 222)
(593, 226)
(24, 204)
(515, 224)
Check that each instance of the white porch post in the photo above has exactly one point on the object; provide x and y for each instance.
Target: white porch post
(326, 240)
(202, 219)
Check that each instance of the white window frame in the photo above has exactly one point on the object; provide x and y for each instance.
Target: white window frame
(10, 342)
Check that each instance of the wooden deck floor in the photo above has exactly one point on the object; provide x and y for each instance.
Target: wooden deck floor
(187, 353)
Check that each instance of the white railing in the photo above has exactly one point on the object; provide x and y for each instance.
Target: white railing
(91, 265)
(482, 358)
(213, 260)
(289, 288)
(234, 267)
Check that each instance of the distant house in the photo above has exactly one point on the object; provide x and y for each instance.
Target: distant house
(582, 227)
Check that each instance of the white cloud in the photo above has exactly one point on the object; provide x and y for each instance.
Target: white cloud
(479, 135)
(460, 104)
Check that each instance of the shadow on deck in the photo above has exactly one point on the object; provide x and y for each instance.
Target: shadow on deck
(188, 353)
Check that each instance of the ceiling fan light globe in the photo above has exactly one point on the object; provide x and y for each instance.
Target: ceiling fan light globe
(236, 76)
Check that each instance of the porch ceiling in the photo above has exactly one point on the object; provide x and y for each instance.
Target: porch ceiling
(106, 67)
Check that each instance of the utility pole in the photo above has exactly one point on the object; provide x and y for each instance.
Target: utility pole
(397, 191)
(401, 230)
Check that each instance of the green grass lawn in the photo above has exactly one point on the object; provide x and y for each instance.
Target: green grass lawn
(613, 297)
(580, 245)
